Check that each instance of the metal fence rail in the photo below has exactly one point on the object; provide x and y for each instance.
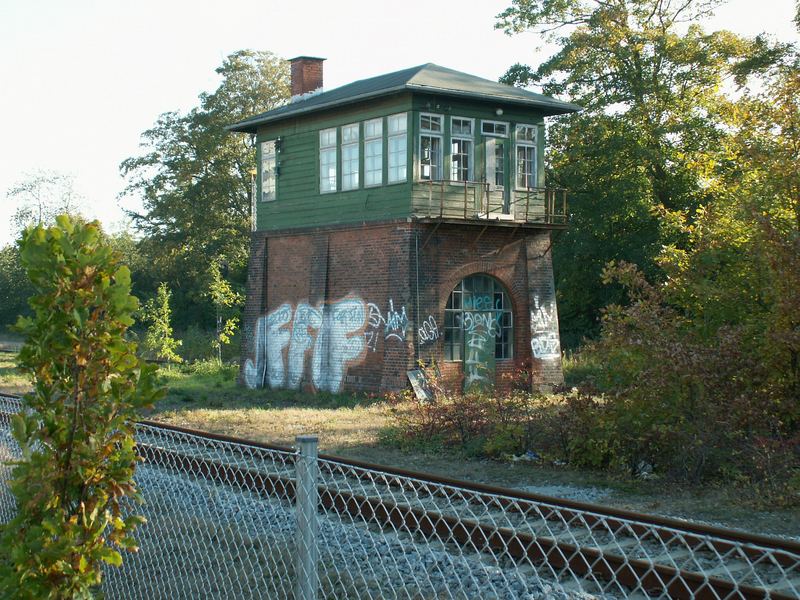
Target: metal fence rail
(232, 519)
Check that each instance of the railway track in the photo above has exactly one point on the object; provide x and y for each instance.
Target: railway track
(592, 547)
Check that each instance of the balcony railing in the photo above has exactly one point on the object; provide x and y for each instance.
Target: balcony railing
(479, 200)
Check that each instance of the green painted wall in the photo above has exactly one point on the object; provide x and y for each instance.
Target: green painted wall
(298, 200)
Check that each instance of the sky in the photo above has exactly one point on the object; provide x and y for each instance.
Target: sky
(80, 80)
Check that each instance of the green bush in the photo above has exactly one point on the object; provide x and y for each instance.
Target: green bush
(76, 429)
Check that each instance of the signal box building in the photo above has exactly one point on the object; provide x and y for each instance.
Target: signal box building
(399, 219)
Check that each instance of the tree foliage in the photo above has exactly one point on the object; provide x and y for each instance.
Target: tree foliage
(43, 195)
(194, 179)
(158, 340)
(227, 303)
(15, 287)
(76, 432)
(638, 156)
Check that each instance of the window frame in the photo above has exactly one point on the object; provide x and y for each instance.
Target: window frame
(327, 148)
(453, 329)
(351, 180)
(373, 140)
(496, 140)
(431, 134)
(470, 154)
(527, 145)
(396, 135)
(494, 133)
(263, 171)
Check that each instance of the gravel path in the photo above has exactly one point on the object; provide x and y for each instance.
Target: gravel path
(203, 536)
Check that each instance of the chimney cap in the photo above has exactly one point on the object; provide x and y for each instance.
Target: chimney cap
(307, 58)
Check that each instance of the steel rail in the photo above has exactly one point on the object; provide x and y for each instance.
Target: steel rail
(701, 529)
(656, 579)
(519, 544)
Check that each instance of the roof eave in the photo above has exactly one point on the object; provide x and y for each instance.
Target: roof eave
(548, 108)
(251, 125)
(557, 107)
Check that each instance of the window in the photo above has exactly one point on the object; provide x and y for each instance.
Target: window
(479, 295)
(526, 156)
(327, 160)
(373, 152)
(496, 128)
(461, 149)
(495, 162)
(268, 171)
(398, 147)
(430, 147)
(350, 157)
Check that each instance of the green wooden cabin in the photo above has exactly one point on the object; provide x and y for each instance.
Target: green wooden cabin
(423, 143)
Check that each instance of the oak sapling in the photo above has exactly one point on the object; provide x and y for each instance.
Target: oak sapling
(76, 428)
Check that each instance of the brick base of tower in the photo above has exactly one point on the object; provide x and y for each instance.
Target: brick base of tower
(354, 308)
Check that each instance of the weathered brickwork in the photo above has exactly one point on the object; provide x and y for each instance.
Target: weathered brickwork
(354, 308)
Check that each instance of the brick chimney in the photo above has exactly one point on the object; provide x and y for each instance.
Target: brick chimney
(306, 74)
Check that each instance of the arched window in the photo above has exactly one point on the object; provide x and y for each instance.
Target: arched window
(485, 298)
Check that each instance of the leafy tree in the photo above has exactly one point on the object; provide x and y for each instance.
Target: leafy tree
(194, 180)
(76, 429)
(15, 287)
(158, 340)
(227, 304)
(43, 195)
(638, 157)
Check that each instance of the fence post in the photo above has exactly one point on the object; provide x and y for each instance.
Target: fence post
(306, 499)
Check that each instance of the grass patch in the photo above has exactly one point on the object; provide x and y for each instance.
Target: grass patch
(11, 380)
(204, 395)
(580, 369)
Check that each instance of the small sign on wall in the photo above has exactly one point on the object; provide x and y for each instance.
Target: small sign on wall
(420, 384)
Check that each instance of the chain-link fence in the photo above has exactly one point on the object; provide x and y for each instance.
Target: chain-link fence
(230, 519)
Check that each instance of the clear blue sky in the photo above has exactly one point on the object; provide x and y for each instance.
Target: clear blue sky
(82, 79)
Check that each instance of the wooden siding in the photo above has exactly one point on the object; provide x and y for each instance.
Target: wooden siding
(299, 202)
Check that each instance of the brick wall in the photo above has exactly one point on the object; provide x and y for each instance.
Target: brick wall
(341, 308)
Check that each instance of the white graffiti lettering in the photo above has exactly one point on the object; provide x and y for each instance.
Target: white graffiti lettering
(375, 323)
(486, 321)
(545, 343)
(336, 344)
(429, 331)
(333, 331)
(277, 339)
(254, 371)
(396, 322)
(307, 321)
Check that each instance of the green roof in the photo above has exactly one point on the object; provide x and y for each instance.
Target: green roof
(427, 78)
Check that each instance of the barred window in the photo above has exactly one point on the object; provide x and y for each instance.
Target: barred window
(478, 294)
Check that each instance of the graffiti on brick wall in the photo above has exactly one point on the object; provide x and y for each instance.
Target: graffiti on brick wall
(396, 322)
(429, 331)
(374, 329)
(394, 325)
(332, 332)
(480, 330)
(307, 321)
(544, 339)
(339, 342)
